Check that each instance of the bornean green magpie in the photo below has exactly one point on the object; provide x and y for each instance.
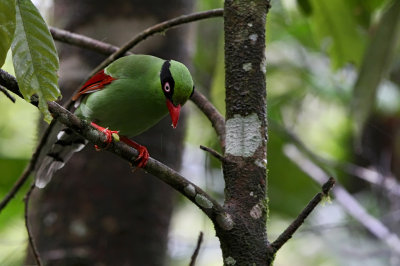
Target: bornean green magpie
(129, 96)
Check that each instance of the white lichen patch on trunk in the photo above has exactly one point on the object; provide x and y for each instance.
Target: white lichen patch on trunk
(256, 211)
(253, 38)
(263, 65)
(230, 261)
(225, 221)
(261, 163)
(247, 66)
(243, 135)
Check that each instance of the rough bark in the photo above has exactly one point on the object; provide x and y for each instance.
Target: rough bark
(246, 134)
(95, 211)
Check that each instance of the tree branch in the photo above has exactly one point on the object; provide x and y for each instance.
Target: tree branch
(28, 170)
(292, 228)
(345, 199)
(163, 172)
(196, 251)
(214, 153)
(116, 52)
(161, 27)
(82, 41)
(7, 94)
(195, 194)
(10, 83)
(28, 228)
(217, 120)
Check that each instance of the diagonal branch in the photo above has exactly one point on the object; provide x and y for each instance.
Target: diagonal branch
(7, 94)
(158, 28)
(217, 120)
(82, 41)
(214, 153)
(154, 167)
(195, 194)
(31, 239)
(345, 199)
(28, 170)
(196, 250)
(292, 228)
(116, 52)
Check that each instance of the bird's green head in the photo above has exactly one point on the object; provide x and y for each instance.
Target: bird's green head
(177, 86)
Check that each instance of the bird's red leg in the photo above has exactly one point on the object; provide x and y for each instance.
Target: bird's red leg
(106, 131)
(143, 156)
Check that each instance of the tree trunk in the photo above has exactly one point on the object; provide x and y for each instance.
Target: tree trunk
(246, 134)
(96, 211)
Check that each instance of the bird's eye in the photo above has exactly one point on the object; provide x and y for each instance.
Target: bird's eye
(167, 88)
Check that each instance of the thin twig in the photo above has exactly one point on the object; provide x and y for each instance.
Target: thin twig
(292, 228)
(217, 120)
(200, 198)
(7, 94)
(17, 186)
(158, 28)
(82, 41)
(9, 82)
(345, 199)
(116, 52)
(197, 249)
(28, 170)
(214, 153)
(28, 228)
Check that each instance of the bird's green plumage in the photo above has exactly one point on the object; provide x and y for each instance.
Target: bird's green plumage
(135, 101)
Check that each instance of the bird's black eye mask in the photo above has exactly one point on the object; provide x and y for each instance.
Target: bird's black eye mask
(167, 81)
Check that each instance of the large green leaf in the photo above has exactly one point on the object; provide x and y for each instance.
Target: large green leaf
(35, 57)
(376, 62)
(336, 28)
(7, 27)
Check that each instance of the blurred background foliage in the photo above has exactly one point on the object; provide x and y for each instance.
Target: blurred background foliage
(333, 79)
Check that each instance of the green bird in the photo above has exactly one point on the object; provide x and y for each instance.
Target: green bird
(128, 97)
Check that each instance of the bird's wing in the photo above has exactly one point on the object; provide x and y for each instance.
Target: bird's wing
(95, 83)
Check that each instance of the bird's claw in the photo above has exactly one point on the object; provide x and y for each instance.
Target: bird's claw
(107, 132)
(143, 157)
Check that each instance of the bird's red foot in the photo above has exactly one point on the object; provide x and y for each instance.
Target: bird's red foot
(143, 156)
(107, 132)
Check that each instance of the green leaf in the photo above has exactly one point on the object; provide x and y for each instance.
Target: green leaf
(7, 27)
(336, 28)
(35, 57)
(377, 60)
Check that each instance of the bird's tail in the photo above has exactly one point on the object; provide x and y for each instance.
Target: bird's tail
(59, 148)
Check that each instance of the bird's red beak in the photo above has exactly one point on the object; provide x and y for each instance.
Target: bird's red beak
(173, 112)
